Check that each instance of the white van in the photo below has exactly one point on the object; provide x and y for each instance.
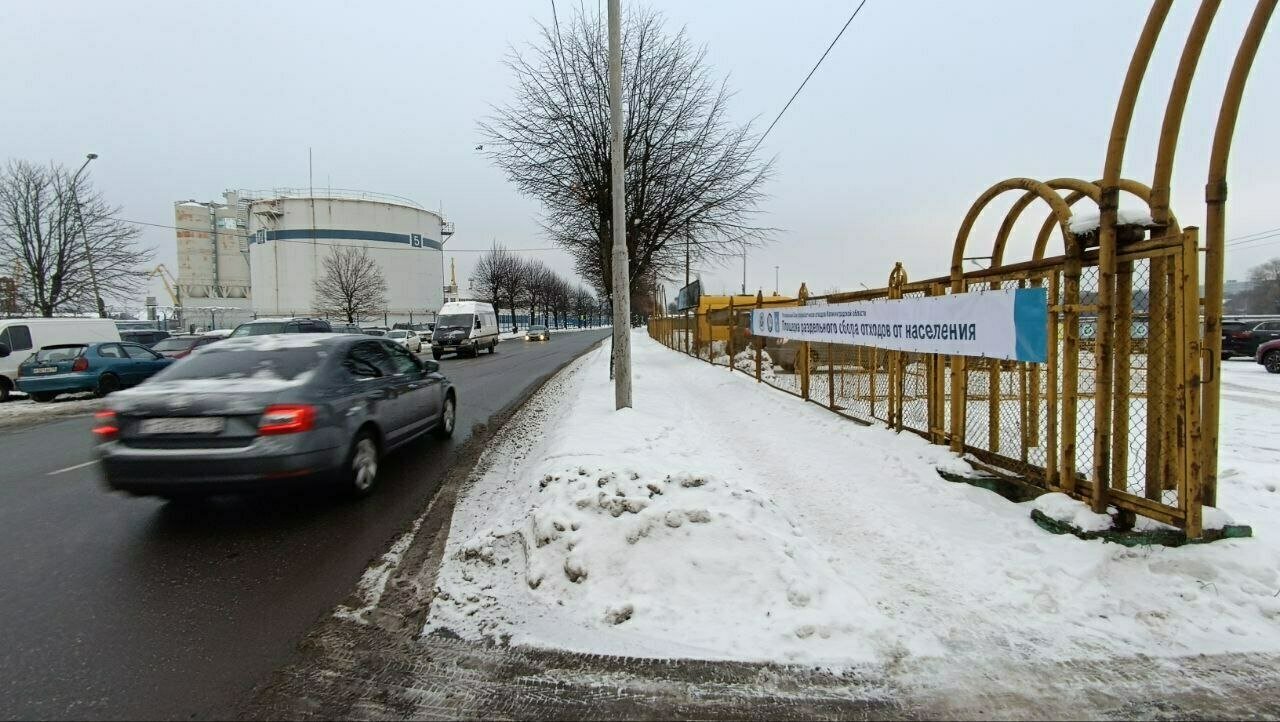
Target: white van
(465, 328)
(24, 336)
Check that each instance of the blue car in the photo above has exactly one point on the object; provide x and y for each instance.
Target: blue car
(97, 367)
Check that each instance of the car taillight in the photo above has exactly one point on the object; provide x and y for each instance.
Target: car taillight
(81, 364)
(107, 426)
(287, 419)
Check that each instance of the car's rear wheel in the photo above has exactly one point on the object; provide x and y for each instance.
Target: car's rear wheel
(436, 354)
(361, 471)
(44, 397)
(1272, 362)
(1226, 356)
(4, 389)
(107, 383)
(493, 347)
(448, 417)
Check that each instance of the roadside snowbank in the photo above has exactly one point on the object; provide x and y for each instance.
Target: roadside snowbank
(22, 411)
(722, 519)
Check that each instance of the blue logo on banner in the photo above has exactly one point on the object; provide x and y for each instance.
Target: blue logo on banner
(1030, 323)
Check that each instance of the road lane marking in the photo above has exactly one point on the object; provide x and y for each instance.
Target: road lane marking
(72, 468)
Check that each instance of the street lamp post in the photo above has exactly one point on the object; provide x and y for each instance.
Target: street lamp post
(775, 280)
(84, 234)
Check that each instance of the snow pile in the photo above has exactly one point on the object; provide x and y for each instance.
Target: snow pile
(1088, 221)
(1076, 513)
(642, 552)
(815, 540)
(745, 360)
(21, 410)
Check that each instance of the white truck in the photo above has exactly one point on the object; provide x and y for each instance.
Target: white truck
(21, 337)
(465, 328)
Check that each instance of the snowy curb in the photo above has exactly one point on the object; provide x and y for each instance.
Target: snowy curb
(1058, 513)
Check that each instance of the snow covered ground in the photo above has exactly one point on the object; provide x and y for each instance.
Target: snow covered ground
(22, 411)
(722, 519)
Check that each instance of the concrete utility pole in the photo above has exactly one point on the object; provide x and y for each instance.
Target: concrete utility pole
(621, 272)
(84, 235)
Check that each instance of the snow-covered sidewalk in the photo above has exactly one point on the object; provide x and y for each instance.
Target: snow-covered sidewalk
(721, 519)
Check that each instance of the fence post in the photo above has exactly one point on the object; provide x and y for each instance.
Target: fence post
(831, 377)
(937, 386)
(758, 339)
(733, 326)
(897, 359)
(697, 334)
(1192, 493)
(1051, 393)
(1122, 360)
(1070, 370)
(803, 353)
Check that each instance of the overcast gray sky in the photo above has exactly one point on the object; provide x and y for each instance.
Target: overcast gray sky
(920, 107)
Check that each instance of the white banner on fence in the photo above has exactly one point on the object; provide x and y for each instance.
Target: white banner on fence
(1005, 324)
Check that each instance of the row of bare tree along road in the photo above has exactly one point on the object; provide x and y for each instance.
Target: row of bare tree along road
(513, 284)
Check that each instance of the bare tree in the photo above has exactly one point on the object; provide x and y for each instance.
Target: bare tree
(1264, 297)
(584, 305)
(499, 277)
(538, 282)
(693, 180)
(43, 236)
(351, 284)
(490, 273)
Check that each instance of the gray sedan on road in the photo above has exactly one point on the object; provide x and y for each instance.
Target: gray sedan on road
(259, 412)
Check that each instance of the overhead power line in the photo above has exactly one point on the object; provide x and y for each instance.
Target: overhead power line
(810, 75)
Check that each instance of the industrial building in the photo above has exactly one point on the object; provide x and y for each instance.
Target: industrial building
(259, 253)
(213, 288)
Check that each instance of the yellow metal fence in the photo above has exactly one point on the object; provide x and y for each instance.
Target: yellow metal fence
(1035, 421)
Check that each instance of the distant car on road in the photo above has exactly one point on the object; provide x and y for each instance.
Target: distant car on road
(176, 347)
(98, 367)
(253, 414)
(264, 326)
(143, 337)
(1268, 354)
(409, 339)
(1243, 337)
(537, 333)
(465, 328)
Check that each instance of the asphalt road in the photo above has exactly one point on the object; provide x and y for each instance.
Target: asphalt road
(129, 608)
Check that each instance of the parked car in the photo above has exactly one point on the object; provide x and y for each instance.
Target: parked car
(263, 326)
(1268, 354)
(22, 336)
(409, 339)
(1243, 337)
(537, 332)
(143, 337)
(465, 328)
(346, 328)
(253, 414)
(176, 347)
(374, 330)
(76, 367)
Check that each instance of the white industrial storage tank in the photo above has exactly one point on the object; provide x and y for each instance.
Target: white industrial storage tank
(292, 232)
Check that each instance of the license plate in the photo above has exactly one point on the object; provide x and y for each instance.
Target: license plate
(46, 369)
(190, 425)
